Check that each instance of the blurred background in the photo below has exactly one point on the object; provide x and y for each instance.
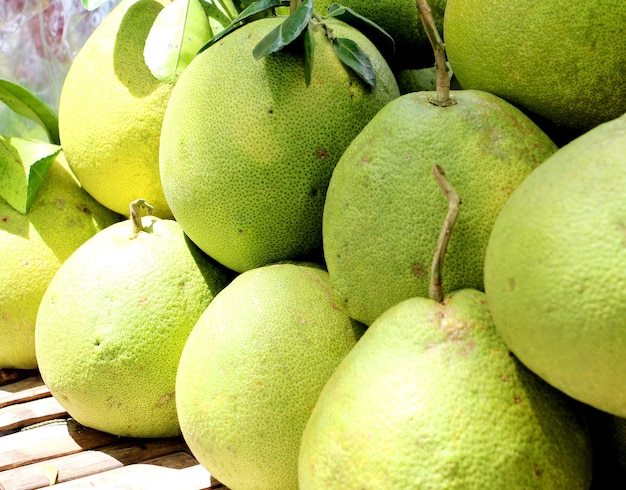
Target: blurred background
(38, 41)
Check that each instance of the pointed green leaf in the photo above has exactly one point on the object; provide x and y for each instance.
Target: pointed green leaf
(309, 49)
(380, 37)
(220, 14)
(247, 14)
(93, 4)
(179, 30)
(27, 104)
(23, 166)
(354, 57)
(286, 32)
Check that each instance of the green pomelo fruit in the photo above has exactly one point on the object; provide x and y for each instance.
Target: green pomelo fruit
(111, 110)
(384, 209)
(561, 60)
(113, 323)
(252, 370)
(554, 269)
(401, 20)
(430, 397)
(247, 148)
(32, 248)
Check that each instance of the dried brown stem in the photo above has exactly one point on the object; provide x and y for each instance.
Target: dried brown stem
(454, 203)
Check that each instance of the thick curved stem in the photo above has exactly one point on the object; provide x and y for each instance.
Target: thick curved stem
(443, 79)
(454, 203)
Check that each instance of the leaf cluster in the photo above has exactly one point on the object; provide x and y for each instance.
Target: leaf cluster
(25, 163)
(297, 28)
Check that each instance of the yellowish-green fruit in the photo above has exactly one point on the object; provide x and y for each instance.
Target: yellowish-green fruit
(248, 148)
(111, 110)
(252, 370)
(113, 322)
(384, 209)
(401, 20)
(561, 60)
(554, 269)
(430, 397)
(32, 248)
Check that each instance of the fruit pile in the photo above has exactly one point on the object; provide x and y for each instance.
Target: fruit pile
(328, 251)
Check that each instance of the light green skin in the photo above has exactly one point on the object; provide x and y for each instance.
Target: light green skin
(431, 398)
(110, 332)
(554, 269)
(252, 370)
(384, 210)
(32, 248)
(247, 149)
(560, 60)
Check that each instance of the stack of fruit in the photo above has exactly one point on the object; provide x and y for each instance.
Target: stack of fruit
(322, 277)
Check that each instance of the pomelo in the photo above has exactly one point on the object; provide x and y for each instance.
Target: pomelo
(113, 322)
(247, 148)
(111, 110)
(252, 369)
(561, 61)
(554, 269)
(383, 210)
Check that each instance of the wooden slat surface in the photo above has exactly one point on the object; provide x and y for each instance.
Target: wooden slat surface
(41, 444)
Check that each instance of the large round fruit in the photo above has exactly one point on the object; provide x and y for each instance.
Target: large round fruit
(554, 269)
(247, 148)
(384, 209)
(113, 323)
(252, 370)
(111, 110)
(431, 398)
(562, 61)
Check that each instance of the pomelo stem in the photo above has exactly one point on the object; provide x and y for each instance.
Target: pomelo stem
(454, 203)
(443, 79)
(136, 207)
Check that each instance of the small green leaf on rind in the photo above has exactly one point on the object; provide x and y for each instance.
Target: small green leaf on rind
(23, 166)
(27, 104)
(286, 32)
(309, 49)
(354, 57)
(380, 37)
(179, 30)
(246, 14)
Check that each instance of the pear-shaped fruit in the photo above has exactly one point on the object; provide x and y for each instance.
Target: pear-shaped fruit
(554, 269)
(253, 368)
(430, 397)
(383, 210)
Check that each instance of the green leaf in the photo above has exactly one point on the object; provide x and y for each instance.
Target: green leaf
(286, 32)
(93, 4)
(220, 14)
(179, 30)
(23, 166)
(27, 104)
(354, 57)
(247, 14)
(309, 48)
(380, 37)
